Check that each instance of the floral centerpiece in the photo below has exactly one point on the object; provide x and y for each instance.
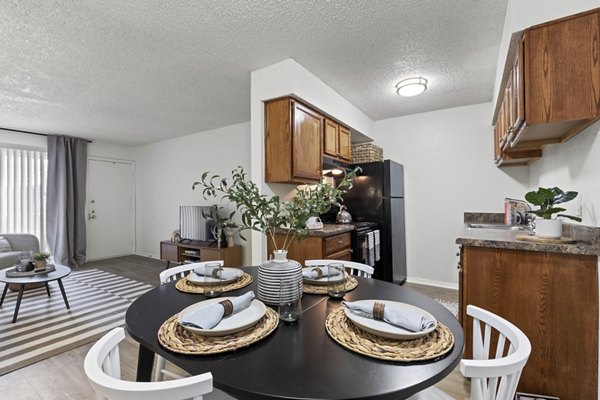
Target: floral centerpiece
(266, 214)
(270, 215)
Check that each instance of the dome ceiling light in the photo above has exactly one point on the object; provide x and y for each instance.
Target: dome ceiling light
(411, 86)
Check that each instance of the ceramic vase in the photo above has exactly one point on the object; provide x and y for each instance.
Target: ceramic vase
(548, 228)
(271, 273)
(229, 232)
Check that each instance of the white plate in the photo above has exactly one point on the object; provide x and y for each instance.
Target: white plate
(228, 325)
(199, 279)
(322, 280)
(386, 330)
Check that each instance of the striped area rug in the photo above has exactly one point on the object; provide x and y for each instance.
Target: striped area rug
(45, 327)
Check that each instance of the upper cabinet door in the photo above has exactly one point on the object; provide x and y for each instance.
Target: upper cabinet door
(563, 70)
(330, 138)
(344, 144)
(306, 143)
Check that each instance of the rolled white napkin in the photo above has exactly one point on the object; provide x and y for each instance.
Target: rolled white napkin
(209, 316)
(408, 319)
(225, 274)
(313, 272)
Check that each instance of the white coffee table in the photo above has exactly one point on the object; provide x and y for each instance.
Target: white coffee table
(60, 272)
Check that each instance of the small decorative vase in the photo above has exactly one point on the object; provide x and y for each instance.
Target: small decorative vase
(229, 232)
(548, 228)
(271, 273)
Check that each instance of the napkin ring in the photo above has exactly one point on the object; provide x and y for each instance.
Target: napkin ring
(228, 306)
(378, 311)
(216, 271)
(319, 272)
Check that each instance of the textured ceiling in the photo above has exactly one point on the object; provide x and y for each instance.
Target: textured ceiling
(139, 71)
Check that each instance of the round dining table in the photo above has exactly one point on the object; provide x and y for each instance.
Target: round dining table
(300, 360)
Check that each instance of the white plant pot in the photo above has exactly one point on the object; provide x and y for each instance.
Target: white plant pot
(548, 228)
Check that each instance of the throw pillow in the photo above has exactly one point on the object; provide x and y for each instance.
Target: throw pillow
(4, 245)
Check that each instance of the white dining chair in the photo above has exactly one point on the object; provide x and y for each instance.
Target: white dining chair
(493, 376)
(103, 370)
(353, 268)
(168, 275)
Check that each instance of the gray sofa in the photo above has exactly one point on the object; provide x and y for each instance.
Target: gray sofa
(18, 242)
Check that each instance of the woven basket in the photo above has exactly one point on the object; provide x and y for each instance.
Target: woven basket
(366, 152)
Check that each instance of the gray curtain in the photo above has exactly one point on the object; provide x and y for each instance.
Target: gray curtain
(65, 199)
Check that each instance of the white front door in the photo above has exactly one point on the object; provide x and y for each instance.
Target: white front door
(110, 208)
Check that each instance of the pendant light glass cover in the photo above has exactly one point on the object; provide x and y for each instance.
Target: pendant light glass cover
(411, 86)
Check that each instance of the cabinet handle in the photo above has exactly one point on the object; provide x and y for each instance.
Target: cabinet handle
(458, 254)
(458, 266)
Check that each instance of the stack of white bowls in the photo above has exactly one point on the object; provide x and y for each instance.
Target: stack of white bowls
(272, 273)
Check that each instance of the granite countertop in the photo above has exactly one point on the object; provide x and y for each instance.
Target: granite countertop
(588, 239)
(327, 230)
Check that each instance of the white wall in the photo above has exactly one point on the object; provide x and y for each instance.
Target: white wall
(573, 165)
(166, 171)
(282, 79)
(447, 156)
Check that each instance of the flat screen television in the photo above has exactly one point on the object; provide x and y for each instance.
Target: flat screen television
(193, 225)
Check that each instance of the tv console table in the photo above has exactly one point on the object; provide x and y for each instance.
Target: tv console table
(196, 251)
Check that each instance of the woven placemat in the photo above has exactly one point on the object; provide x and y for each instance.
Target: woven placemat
(174, 337)
(184, 285)
(428, 347)
(351, 283)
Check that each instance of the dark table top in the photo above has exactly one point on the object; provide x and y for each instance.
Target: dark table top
(300, 361)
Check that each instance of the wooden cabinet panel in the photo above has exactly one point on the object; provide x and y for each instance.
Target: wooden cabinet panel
(345, 255)
(553, 299)
(169, 251)
(307, 156)
(345, 143)
(552, 86)
(336, 243)
(195, 251)
(293, 134)
(316, 248)
(330, 138)
(563, 70)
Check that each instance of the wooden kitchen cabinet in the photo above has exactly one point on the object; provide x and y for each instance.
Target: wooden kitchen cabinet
(197, 251)
(553, 299)
(336, 247)
(336, 141)
(293, 135)
(551, 87)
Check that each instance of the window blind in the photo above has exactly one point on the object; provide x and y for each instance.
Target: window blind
(23, 192)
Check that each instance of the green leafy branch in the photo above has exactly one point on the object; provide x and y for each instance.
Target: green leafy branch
(265, 214)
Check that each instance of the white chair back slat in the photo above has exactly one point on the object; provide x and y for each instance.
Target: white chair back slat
(107, 386)
(353, 268)
(487, 342)
(500, 346)
(477, 340)
(176, 273)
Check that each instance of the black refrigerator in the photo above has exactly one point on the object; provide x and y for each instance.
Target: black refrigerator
(378, 196)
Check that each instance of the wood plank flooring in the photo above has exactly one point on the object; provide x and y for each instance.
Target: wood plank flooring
(62, 377)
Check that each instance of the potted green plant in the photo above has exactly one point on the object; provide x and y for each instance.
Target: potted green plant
(40, 260)
(548, 226)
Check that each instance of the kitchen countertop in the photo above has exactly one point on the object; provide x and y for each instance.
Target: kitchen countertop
(327, 230)
(588, 239)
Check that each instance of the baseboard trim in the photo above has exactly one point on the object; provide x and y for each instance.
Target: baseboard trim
(430, 282)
